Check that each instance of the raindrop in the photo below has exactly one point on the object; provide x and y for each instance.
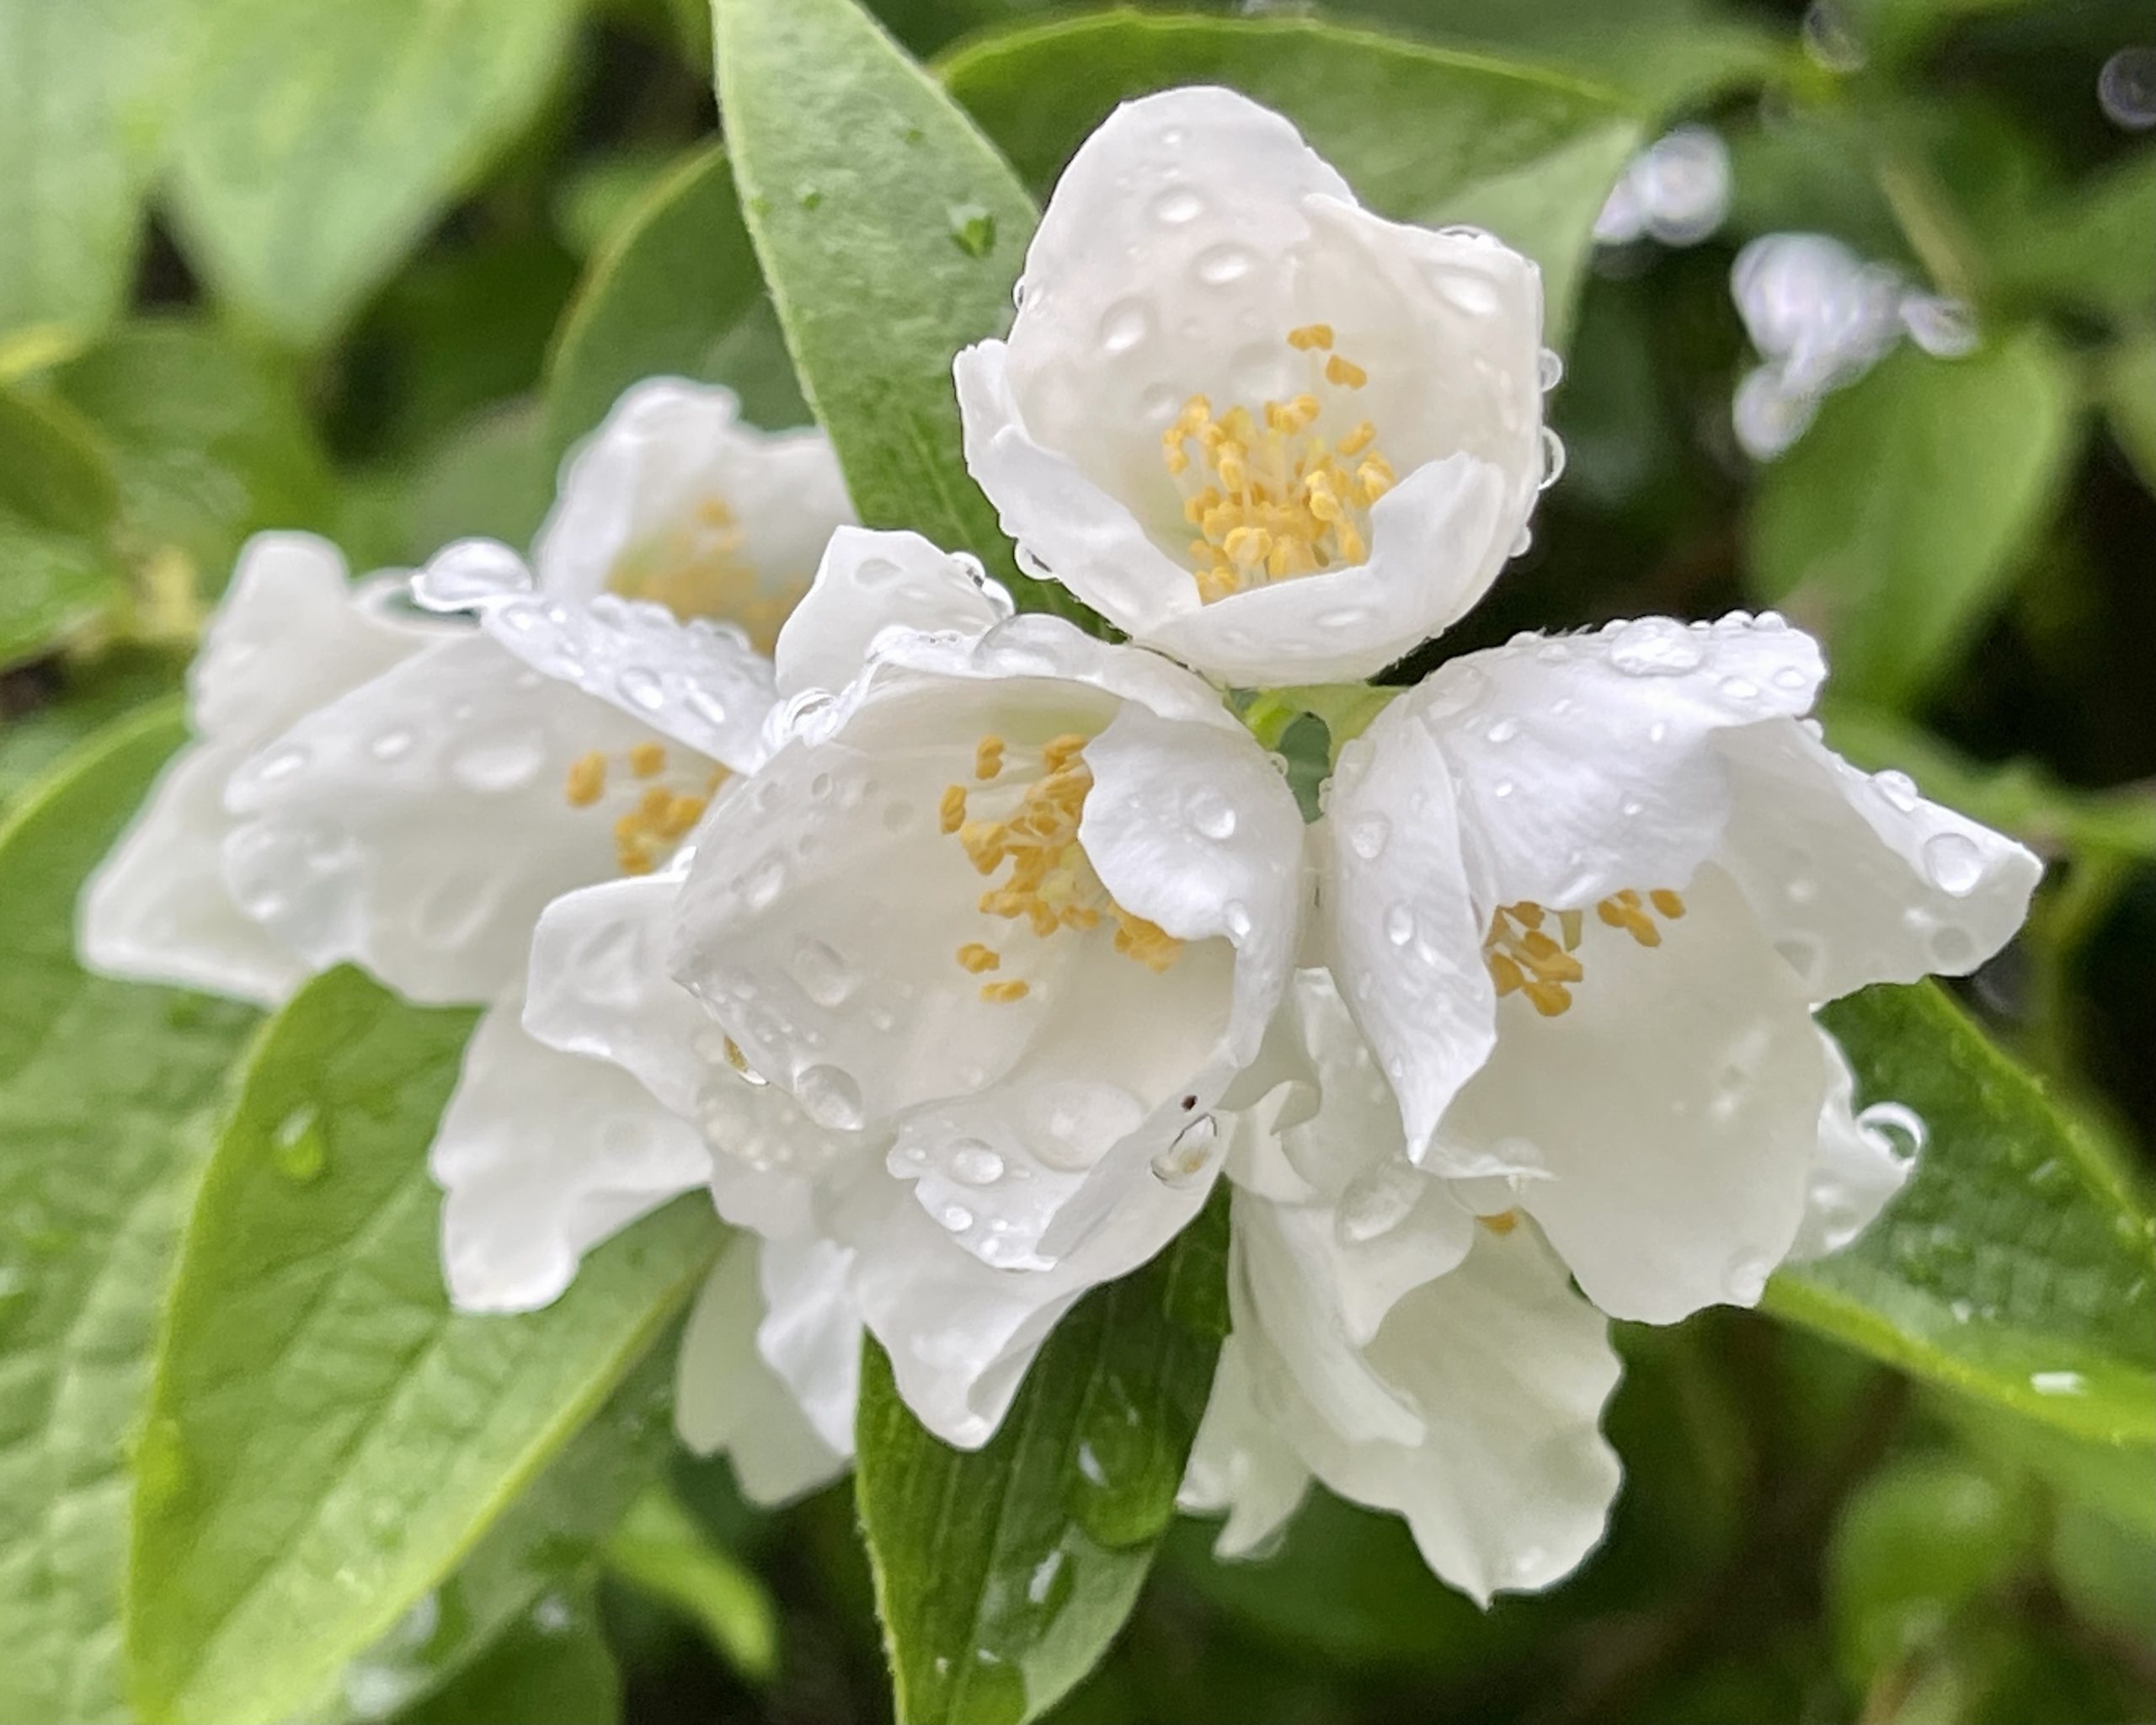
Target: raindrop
(469, 573)
(1399, 924)
(824, 977)
(1791, 678)
(1746, 1280)
(393, 744)
(1177, 206)
(1502, 730)
(1368, 834)
(1551, 368)
(2126, 88)
(1469, 294)
(1898, 788)
(1221, 265)
(955, 1217)
(706, 706)
(1654, 646)
(972, 228)
(1235, 916)
(1553, 458)
(1902, 1126)
(973, 1163)
(1954, 862)
(1124, 325)
(297, 1148)
(829, 1097)
(1376, 1203)
(1942, 326)
(508, 761)
(1740, 688)
(640, 687)
(1522, 542)
(282, 765)
(1211, 815)
(1183, 1160)
(2058, 1383)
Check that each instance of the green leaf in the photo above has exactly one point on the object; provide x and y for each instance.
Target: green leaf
(664, 1551)
(69, 700)
(1895, 526)
(327, 1438)
(489, 476)
(890, 232)
(553, 1665)
(2017, 1265)
(675, 291)
(1423, 134)
(51, 585)
(1002, 1573)
(80, 101)
(52, 471)
(319, 138)
(104, 1093)
(2129, 393)
(209, 442)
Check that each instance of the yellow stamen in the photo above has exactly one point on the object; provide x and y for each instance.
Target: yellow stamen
(1501, 1224)
(696, 567)
(648, 760)
(587, 780)
(1344, 371)
(1310, 336)
(1522, 958)
(1002, 993)
(988, 757)
(950, 812)
(976, 958)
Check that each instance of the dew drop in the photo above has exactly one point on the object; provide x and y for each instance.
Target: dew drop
(1177, 206)
(973, 1163)
(2058, 1383)
(640, 687)
(1376, 1203)
(1124, 325)
(1551, 368)
(1367, 835)
(393, 744)
(297, 1148)
(972, 228)
(1898, 788)
(1211, 815)
(824, 977)
(1219, 266)
(1185, 1160)
(469, 573)
(829, 1097)
(1655, 646)
(1954, 862)
(1902, 1126)
(955, 1217)
(2126, 88)
(1740, 688)
(1502, 730)
(497, 765)
(1399, 924)
(1235, 916)
(1553, 459)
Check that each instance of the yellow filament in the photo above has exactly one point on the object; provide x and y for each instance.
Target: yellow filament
(1523, 958)
(697, 568)
(1046, 882)
(1271, 498)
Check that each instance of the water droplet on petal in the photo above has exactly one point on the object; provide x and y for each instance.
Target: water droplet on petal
(1235, 917)
(1185, 1160)
(1898, 788)
(1954, 862)
(1553, 458)
(496, 764)
(1177, 206)
(1502, 730)
(1211, 815)
(1124, 325)
(393, 744)
(1221, 266)
(1367, 835)
(1400, 923)
(829, 1097)
(824, 977)
(1655, 646)
(973, 1163)
(640, 687)
(1902, 1125)
(469, 573)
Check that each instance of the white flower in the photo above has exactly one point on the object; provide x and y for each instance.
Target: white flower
(1255, 425)
(1413, 1341)
(291, 634)
(407, 793)
(978, 949)
(1582, 894)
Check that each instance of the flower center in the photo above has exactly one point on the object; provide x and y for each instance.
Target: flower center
(1030, 829)
(1270, 496)
(664, 804)
(1523, 958)
(696, 569)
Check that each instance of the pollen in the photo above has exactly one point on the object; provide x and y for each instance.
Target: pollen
(666, 808)
(697, 567)
(1501, 1224)
(1523, 958)
(1270, 497)
(1023, 836)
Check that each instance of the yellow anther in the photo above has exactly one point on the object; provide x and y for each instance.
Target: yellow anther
(1248, 546)
(976, 958)
(1522, 958)
(1310, 336)
(587, 780)
(1345, 372)
(1061, 752)
(988, 757)
(1501, 1224)
(734, 1057)
(1375, 476)
(682, 814)
(1360, 439)
(648, 760)
(1001, 993)
(950, 812)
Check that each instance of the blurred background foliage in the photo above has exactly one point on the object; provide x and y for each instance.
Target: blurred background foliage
(330, 264)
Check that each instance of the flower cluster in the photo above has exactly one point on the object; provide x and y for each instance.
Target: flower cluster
(961, 954)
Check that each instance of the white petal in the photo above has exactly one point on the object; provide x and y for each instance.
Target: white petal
(1855, 1170)
(868, 582)
(1505, 1481)
(599, 987)
(1857, 879)
(1241, 1462)
(541, 1156)
(670, 475)
(1403, 933)
(1586, 764)
(727, 1398)
(418, 824)
(290, 635)
(811, 1333)
(699, 683)
(1672, 1112)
